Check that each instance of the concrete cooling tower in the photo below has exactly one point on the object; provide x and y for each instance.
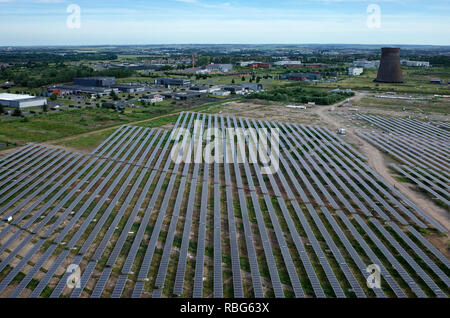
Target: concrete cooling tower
(390, 70)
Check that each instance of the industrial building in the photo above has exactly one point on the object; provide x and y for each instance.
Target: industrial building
(234, 89)
(129, 88)
(21, 101)
(355, 71)
(366, 64)
(199, 89)
(302, 76)
(95, 81)
(415, 63)
(251, 86)
(259, 65)
(61, 90)
(287, 63)
(219, 67)
(187, 95)
(221, 93)
(167, 81)
(247, 63)
(152, 98)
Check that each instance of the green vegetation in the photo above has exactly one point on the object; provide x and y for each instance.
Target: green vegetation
(417, 80)
(301, 95)
(434, 105)
(34, 75)
(159, 122)
(43, 57)
(88, 142)
(51, 126)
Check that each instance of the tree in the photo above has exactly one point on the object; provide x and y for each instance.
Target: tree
(114, 95)
(45, 108)
(17, 112)
(53, 97)
(243, 78)
(2, 109)
(233, 81)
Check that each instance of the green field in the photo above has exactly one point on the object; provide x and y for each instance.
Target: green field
(429, 106)
(417, 80)
(89, 142)
(71, 122)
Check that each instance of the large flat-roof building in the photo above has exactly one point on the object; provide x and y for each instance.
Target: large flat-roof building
(219, 67)
(77, 89)
(95, 81)
(167, 81)
(355, 71)
(129, 88)
(21, 101)
(287, 63)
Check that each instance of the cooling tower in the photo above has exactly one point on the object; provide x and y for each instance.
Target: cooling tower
(390, 70)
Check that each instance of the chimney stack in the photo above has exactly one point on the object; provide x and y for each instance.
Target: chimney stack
(390, 70)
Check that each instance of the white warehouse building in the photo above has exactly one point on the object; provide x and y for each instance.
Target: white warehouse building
(355, 71)
(21, 101)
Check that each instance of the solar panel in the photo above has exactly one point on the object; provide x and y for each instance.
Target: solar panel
(442, 276)
(96, 209)
(76, 292)
(429, 246)
(116, 199)
(139, 236)
(14, 252)
(181, 268)
(50, 177)
(145, 266)
(63, 281)
(418, 270)
(42, 160)
(276, 283)
(414, 287)
(384, 272)
(5, 281)
(119, 287)
(138, 289)
(235, 260)
(29, 276)
(200, 257)
(420, 184)
(58, 162)
(14, 156)
(101, 283)
(157, 293)
(350, 249)
(16, 165)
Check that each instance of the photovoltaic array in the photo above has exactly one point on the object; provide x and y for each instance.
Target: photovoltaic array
(132, 222)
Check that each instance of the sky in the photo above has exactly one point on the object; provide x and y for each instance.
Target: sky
(122, 22)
